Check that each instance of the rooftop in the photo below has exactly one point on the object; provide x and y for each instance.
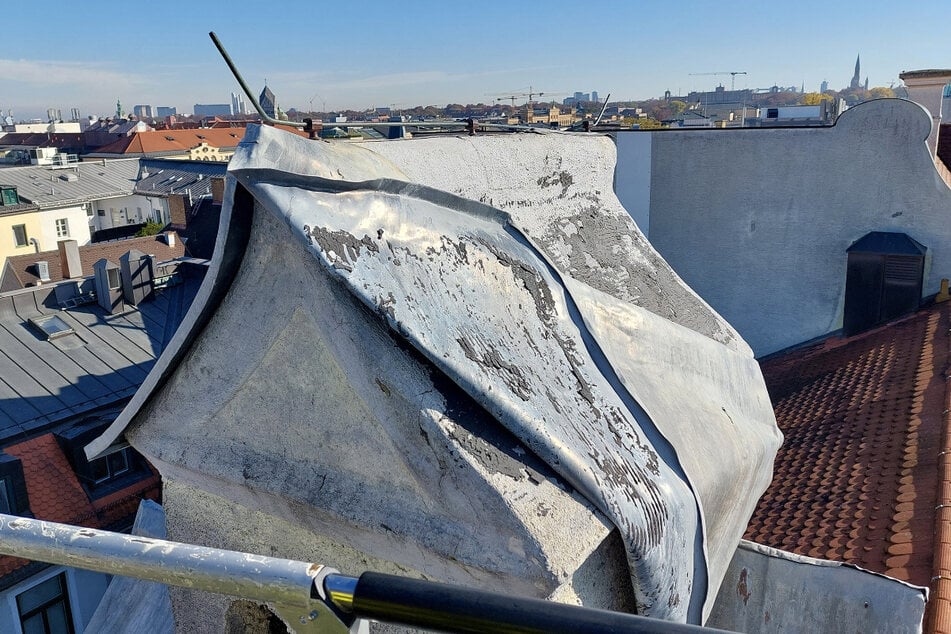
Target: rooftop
(162, 177)
(104, 360)
(79, 183)
(857, 479)
(19, 271)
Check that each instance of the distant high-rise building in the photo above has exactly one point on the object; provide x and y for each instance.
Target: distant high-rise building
(237, 104)
(211, 109)
(594, 96)
(74, 114)
(119, 112)
(824, 86)
(268, 102)
(53, 114)
(143, 112)
(856, 82)
(166, 111)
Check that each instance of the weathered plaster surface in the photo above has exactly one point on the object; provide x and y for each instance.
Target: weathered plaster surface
(347, 449)
(421, 375)
(559, 190)
(758, 221)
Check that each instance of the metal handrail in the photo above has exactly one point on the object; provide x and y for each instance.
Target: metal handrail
(310, 597)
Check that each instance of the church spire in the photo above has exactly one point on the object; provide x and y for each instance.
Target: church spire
(856, 82)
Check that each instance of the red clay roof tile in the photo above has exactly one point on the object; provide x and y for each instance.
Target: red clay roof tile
(858, 477)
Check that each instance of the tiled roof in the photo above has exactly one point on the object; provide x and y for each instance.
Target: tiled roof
(56, 495)
(72, 140)
(20, 270)
(54, 491)
(172, 141)
(857, 479)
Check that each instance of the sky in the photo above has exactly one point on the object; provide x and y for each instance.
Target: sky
(336, 56)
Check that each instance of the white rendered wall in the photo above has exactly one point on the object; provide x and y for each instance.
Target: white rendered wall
(77, 223)
(758, 221)
(633, 184)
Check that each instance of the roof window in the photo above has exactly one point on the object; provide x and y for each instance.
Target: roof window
(51, 326)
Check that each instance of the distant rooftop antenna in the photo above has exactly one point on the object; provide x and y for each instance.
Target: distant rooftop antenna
(603, 108)
(247, 90)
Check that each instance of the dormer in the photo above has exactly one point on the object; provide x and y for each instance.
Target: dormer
(8, 196)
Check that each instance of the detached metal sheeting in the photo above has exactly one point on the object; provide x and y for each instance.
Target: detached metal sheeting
(768, 590)
(657, 425)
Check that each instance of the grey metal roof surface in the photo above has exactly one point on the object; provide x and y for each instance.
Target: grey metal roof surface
(161, 178)
(50, 188)
(104, 361)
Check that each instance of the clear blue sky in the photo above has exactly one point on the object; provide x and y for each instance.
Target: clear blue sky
(360, 55)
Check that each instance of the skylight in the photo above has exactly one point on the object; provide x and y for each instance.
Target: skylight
(51, 326)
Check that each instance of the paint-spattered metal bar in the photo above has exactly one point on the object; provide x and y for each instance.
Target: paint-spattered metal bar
(312, 597)
(214, 570)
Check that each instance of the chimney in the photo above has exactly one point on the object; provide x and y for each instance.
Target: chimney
(170, 238)
(217, 190)
(69, 259)
(109, 286)
(43, 270)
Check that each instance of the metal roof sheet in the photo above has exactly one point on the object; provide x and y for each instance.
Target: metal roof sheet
(42, 382)
(162, 178)
(54, 187)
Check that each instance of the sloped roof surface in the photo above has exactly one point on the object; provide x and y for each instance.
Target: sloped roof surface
(163, 177)
(42, 139)
(56, 495)
(43, 382)
(20, 270)
(159, 141)
(857, 479)
(49, 188)
(887, 242)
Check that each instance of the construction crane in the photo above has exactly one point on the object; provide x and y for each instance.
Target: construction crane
(531, 94)
(731, 73)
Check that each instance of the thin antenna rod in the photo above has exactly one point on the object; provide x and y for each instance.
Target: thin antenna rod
(244, 86)
(470, 123)
(603, 108)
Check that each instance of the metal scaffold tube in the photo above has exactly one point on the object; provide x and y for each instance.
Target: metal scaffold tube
(214, 570)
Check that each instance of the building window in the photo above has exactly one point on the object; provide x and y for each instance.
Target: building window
(110, 466)
(44, 608)
(19, 235)
(62, 228)
(6, 496)
(113, 278)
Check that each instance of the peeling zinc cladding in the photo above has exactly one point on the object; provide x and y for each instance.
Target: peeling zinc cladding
(666, 429)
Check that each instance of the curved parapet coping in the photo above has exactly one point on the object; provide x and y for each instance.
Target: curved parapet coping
(676, 464)
(878, 114)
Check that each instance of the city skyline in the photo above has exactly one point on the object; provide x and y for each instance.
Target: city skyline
(425, 55)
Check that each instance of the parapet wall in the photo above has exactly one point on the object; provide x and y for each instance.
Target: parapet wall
(757, 222)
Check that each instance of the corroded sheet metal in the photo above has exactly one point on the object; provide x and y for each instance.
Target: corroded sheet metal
(768, 590)
(524, 332)
(482, 305)
(470, 291)
(709, 401)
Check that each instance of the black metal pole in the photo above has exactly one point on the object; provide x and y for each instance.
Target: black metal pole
(448, 608)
